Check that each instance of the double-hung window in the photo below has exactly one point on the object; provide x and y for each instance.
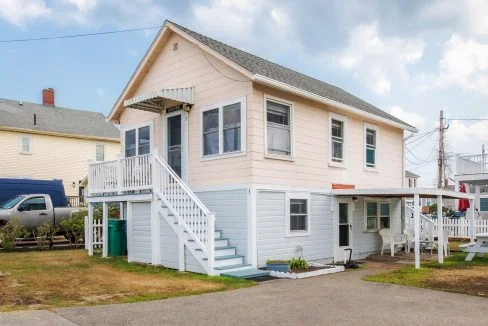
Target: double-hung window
(337, 138)
(25, 145)
(371, 140)
(377, 215)
(278, 128)
(297, 215)
(137, 141)
(222, 129)
(100, 152)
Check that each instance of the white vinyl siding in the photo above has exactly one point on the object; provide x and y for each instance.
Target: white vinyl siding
(25, 144)
(141, 232)
(278, 128)
(223, 129)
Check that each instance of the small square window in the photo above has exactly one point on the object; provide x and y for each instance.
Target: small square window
(25, 145)
(100, 153)
(298, 215)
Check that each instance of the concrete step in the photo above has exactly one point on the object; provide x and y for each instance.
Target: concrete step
(228, 260)
(225, 251)
(249, 273)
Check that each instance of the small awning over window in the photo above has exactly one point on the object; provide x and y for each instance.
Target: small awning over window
(156, 101)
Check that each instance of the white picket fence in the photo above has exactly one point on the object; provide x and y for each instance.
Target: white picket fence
(97, 233)
(459, 228)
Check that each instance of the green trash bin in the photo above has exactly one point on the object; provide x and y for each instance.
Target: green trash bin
(117, 237)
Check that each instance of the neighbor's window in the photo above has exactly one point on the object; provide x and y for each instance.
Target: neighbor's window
(222, 129)
(337, 140)
(384, 215)
(371, 215)
(100, 152)
(25, 144)
(278, 124)
(370, 148)
(138, 141)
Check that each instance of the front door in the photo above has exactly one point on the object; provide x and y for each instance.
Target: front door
(344, 230)
(175, 142)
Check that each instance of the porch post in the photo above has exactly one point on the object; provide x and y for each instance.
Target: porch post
(440, 231)
(90, 229)
(105, 229)
(477, 200)
(471, 221)
(155, 206)
(416, 223)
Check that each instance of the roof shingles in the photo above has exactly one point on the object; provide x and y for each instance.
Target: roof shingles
(260, 66)
(55, 119)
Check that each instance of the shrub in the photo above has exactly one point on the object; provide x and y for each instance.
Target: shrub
(44, 235)
(10, 232)
(74, 227)
(298, 263)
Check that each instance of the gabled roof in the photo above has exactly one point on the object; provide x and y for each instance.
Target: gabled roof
(411, 175)
(275, 75)
(55, 120)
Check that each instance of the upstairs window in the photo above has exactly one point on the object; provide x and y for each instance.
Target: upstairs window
(278, 128)
(337, 129)
(222, 129)
(137, 141)
(100, 152)
(370, 148)
(25, 146)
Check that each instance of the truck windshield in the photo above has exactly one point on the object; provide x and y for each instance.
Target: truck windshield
(11, 202)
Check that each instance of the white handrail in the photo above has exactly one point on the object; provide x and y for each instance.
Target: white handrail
(427, 225)
(190, 212)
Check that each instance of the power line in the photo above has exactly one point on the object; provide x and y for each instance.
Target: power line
(219, 72)
(421, 136)
(468, 119)
(77, 35)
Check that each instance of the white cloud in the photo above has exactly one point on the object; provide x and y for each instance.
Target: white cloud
(411, 118)
(465, 137)
(376, 60)
(464, 64)
(20, 12)
(133, 52)
(100, 91)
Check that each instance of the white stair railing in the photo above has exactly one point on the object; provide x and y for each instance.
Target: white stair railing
(193, 216)
(427, 225)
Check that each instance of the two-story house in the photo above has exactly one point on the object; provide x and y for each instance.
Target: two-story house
(43, 141)
(230, 160)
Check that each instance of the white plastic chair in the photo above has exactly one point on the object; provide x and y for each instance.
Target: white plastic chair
(390, 240)
(446, 234)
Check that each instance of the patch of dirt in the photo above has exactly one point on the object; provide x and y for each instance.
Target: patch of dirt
(462, 279)
(8, 297)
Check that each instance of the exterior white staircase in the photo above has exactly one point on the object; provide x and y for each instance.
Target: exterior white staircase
(193, 223)
(427, 225)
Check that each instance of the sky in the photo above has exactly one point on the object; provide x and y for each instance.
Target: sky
(410, 58)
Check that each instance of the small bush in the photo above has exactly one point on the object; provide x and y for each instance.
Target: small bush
(74, 227)
(10, 232)
(298, 263)
(44, 235)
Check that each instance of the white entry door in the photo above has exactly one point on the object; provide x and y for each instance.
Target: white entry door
(344, 229)
(176, 142)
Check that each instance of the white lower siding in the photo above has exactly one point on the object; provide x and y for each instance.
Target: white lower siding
(141, 232)
(169, 245)
(366, 243)
(272, 242)
(231, 215)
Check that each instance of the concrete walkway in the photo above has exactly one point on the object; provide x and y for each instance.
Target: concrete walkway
(338, 299)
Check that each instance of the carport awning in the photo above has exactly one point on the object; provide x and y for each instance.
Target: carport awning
(402, 193)
(158, 100)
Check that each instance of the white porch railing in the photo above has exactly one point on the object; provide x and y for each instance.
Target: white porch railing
(127, 174)
(471, 164)
(192, 215)
(427, 226)
(459, 228)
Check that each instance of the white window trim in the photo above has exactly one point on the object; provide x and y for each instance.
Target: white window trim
(343, 119)
(291, 104)
(376, 156)
(104, 152)
(221, 154)
(21, 147)
(378, 213)
(149, 124)
(288, 197)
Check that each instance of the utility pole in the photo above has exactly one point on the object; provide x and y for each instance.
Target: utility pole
(440, 160)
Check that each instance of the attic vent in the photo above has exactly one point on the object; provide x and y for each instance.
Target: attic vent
(175, 46)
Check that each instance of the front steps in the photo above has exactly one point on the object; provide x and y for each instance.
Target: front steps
(249, 273)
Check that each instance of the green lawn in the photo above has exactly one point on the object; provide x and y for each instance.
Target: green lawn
(43, 280)
(455, 275)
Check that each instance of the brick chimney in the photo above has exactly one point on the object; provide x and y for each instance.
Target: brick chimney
(48, 97)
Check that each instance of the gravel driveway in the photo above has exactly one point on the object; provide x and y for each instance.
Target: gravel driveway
(338, 299)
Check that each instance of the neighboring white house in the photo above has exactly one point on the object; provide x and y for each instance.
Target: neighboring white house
(229, 160)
